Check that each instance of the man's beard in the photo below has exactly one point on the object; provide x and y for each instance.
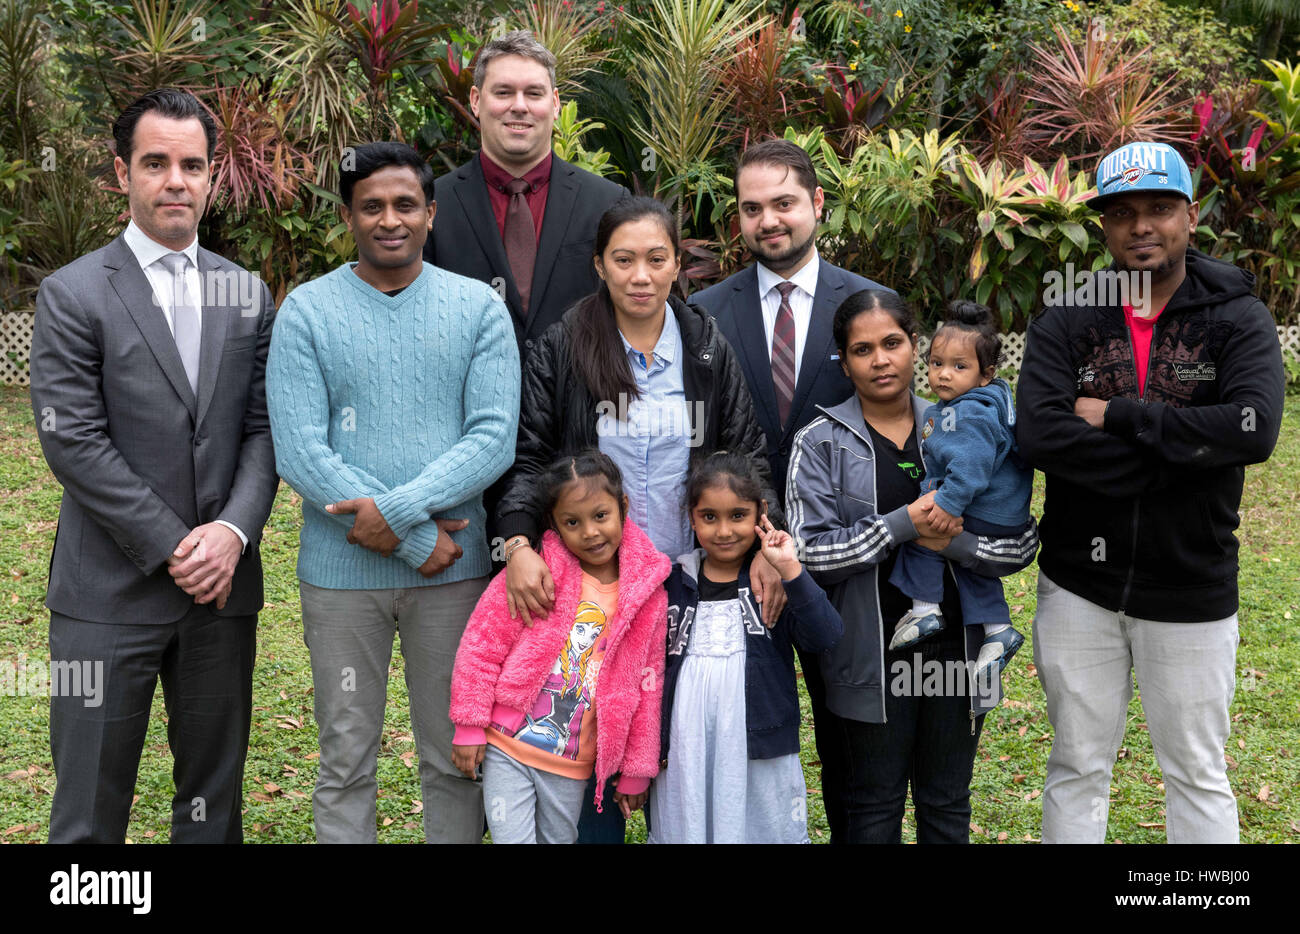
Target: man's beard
(790, 257)
(1161, 270)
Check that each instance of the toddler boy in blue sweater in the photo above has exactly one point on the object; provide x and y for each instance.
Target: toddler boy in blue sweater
(968, 442)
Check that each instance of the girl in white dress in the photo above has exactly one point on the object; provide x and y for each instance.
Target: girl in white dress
(730, 738)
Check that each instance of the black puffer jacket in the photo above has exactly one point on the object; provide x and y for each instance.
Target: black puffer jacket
(558, 414)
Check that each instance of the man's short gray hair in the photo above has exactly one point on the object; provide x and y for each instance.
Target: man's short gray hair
(521, 43)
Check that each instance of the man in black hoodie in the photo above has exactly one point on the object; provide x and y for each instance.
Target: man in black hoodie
(1142, 396)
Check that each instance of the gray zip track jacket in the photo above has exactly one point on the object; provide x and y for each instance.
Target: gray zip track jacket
(831, 509)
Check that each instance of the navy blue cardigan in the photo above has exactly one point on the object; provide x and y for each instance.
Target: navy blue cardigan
(771, 696)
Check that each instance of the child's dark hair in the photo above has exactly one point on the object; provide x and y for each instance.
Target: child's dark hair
(859, 303)
(978, 320)
(737, 471)
(590, 465)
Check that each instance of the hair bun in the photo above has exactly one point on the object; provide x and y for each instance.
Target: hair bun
(972, 314)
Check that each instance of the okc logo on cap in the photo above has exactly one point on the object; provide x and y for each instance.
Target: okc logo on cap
(1132, 174)
(1155, 167)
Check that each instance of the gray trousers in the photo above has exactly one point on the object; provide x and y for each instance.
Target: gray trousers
(350, 637)
(528, 805)
(1086, 658)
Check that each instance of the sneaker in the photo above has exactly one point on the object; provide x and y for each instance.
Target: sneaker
(915, 627)
(997, 649)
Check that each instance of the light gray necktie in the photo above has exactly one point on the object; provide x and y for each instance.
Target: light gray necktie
(185, 317)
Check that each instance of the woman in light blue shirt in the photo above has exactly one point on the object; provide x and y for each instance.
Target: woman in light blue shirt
(647, 379)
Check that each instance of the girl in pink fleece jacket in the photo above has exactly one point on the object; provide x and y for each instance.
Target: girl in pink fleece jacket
(540, 707)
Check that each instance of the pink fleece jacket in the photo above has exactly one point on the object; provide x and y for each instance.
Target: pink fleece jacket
(502, 664)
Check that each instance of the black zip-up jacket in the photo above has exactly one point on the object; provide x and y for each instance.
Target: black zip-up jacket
(1139, 517)
(557, 415)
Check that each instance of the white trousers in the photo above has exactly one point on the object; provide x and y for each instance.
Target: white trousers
(1186, 673)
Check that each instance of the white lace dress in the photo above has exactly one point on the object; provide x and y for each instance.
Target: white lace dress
(711, 791)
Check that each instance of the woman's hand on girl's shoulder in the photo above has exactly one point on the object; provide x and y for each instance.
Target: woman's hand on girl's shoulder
(530, 590)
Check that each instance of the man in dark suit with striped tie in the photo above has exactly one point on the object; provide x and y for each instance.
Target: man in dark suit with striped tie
(777, 314)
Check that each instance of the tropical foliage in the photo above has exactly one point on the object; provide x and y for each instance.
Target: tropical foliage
(955, 141)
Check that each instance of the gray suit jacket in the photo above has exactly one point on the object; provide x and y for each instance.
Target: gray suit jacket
(141, 460)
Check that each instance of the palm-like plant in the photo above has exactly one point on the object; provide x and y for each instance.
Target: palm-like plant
(161, 40)
(768, 89)
(676, 69)
(564, 30)
(385, 38)
(22, 53)
(1092, 102)
(311, 57)
(255, 161)
(883, 202)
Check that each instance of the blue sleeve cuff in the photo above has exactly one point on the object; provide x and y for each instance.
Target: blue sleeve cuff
(419, 543)
(400, 514)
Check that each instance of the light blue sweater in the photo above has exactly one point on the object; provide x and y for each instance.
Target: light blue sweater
(412, 400)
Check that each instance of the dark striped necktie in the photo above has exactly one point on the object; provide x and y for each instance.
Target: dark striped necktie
(783, 353)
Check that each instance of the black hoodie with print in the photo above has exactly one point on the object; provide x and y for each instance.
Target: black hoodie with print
(1139, 517)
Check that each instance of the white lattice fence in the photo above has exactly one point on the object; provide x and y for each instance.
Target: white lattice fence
(15, 346)
(1290, 338)
(16, 343)
(1013, 353)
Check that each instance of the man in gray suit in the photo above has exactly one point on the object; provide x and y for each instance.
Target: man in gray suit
(147, 382)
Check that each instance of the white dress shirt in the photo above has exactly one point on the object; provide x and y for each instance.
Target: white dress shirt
(148, 252)
(801, 303)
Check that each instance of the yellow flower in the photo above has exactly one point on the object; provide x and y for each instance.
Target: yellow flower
(907, 29)
(898, 13)
(853, 66)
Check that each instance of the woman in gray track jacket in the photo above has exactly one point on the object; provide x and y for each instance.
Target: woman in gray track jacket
(853, 496)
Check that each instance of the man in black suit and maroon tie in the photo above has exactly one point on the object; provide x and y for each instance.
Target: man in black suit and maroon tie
(517, 216)
(777, 314)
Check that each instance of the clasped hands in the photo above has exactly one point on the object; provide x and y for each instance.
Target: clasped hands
(203, 564)
(935, 528)
(370, 530)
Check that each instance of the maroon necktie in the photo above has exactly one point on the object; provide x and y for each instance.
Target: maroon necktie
(521, 239)
(783, 353)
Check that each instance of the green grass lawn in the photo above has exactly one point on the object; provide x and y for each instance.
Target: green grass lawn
(1264, 750)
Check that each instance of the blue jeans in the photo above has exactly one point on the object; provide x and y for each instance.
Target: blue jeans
(918, 573)
(929, 742)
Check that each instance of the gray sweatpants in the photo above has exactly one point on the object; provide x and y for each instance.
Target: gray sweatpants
(350, 637)
(527, 805)
(1086, 657)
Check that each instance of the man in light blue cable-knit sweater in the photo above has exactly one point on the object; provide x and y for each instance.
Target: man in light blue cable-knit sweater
(393, 391)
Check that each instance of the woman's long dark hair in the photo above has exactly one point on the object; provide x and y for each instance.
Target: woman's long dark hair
(596, 349)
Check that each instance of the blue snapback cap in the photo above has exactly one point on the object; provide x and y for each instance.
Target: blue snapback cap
(1141, 167)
